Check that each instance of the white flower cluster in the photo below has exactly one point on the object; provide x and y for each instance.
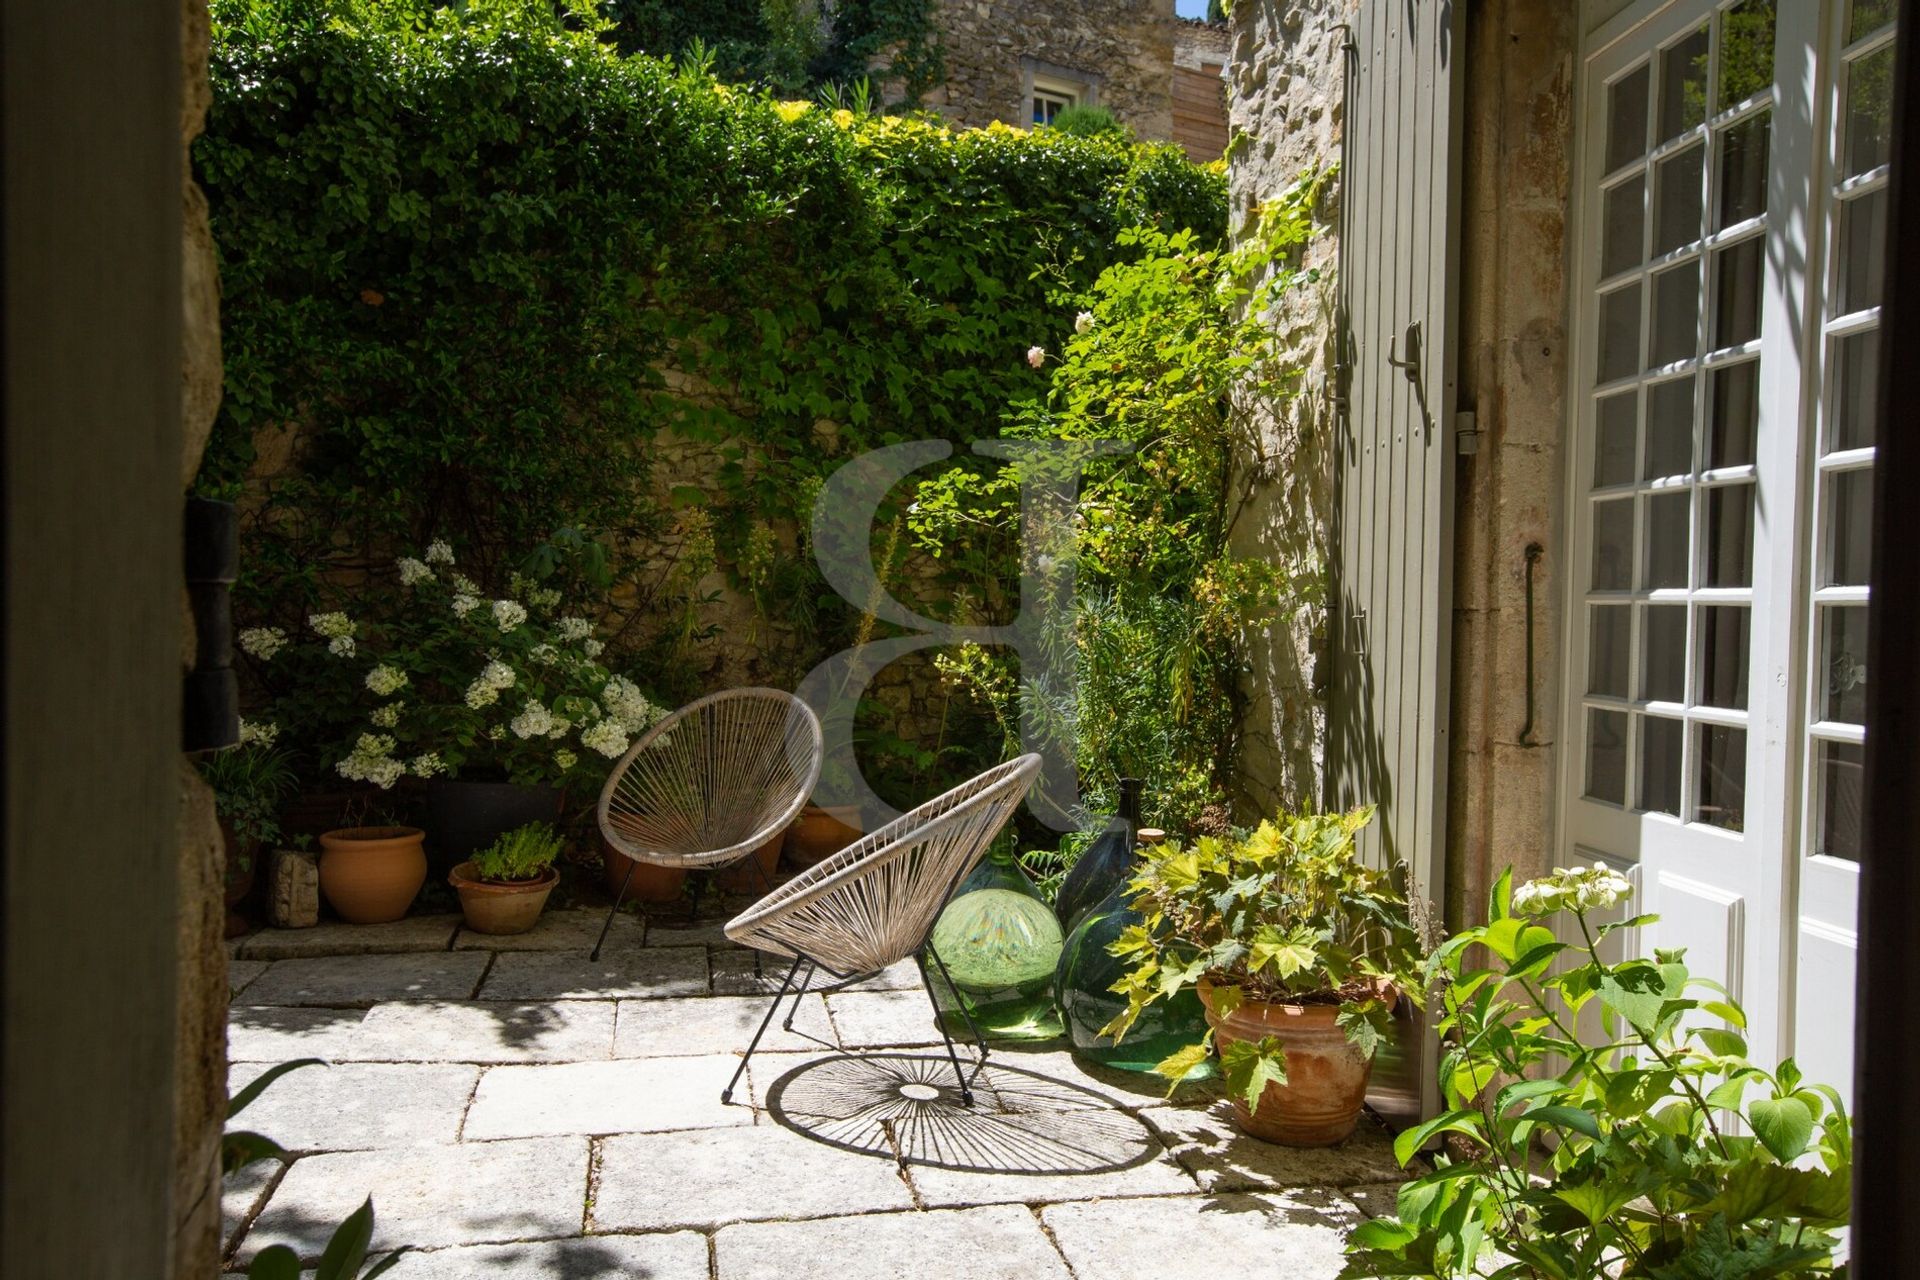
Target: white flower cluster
(386, 717)
(572, 629)
(464, 604)
(385, 679)
(1083, 322)
(627, 706)
(336, 629)
(544, 654)
(488, 685)
(413, 572)
(439, 551)
(258, 733)
(1580, 889)
(465, 586)
(592, 648)
(427, 764)
(508, 614)
(564, 759)
(543, 598)
(606, 737)
(263, 642)
(372, 761)
(536, 721)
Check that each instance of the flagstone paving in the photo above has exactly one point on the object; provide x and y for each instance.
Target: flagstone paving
(519, 1111)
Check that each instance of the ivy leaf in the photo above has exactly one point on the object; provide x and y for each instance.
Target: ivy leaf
(1783, 1125)
(1286, 954)
(1177, 1066)
(1367, 1023)
(1251, 1066)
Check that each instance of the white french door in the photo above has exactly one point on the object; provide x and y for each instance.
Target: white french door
(1717, 516)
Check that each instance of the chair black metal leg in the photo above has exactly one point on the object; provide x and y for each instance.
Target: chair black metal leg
(614, 910)
(960, 998)
(726, 1094)
(966, 1092)
(786, 1024)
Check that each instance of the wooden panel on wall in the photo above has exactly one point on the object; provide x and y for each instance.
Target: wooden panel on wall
(1200, 111)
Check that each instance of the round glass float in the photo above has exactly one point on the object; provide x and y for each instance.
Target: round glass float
(1000, 942)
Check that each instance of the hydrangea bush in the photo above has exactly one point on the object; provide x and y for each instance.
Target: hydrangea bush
(449, 680)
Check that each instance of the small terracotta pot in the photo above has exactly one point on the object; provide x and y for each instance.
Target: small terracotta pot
(1326, 1086)
(740, 877)
(650, 883)
(495, 907)
(369, 875)
(817, 834)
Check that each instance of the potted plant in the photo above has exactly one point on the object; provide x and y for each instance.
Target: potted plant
(251, 784)
(369, 875)
(1299, 952)
(504, 886)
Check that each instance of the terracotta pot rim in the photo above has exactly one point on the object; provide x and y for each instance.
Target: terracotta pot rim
(462, 879)
(1385, 991)
(367, 836)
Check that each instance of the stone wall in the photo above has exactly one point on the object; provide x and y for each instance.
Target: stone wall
(1121, 49)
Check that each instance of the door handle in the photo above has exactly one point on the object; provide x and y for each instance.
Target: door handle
(1411, 365)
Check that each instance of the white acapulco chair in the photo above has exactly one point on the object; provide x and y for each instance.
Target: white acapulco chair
(711, 783)
(874, 903)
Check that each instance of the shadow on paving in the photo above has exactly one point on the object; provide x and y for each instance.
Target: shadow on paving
(908, 1107)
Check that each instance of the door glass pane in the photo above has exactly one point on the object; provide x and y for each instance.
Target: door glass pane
(1864, 17)
(1667, 540)
(1863, 251)
(1743, 169)
(1849, 528)
(1843, 645)
(1856, 390)
(1624, 227)
(1730, 536)
(1663, 665)
(1607, 756)
(1676, 315)
(1627, 119)
(1607, 651)
(1840, 772)
(1746, 51)
(1724, 642)
(1660, 742)
(1615, 420)
(1737, 274)
(1669, 429)
(1683, 85)
(1620, 333)
(1736, 415)
(1721, 787)
(1676, 214)
(1613, 545)
(1869, 112)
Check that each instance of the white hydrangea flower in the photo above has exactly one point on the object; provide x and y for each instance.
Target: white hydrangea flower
(508, 614)
(413, 572)
(497, 675)
(564, 759)
(544, 653)
(385, 717)
(258, 733)
(427, 764)
(1580, 889)
(331, 626)
(605, 737)
(263, 642)
(544, 598)
(371, 760)
(592, 648)
(465, 586)
(341, 646)
(626, 704)
(496, 732)
(439, 551)
(1083, 322)
(534, 720)
(572, 629)
(385, 679)
(464, 604)
(480, 694)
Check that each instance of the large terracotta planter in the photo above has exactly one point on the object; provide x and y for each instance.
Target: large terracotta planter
(1326, 1086)
(650, 883)
(741, 877)
(495, 907)
(369, 875)
(817, 834)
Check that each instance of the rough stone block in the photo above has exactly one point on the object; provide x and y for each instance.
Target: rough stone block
(1300, 1236)
(650, 972)
(484, 1031)
(875, 1019)
(343, 981)
(1210, 1147)
(242, 972)
(572, 929)
(647, 1095)
(352, 1106)
(337, 938)
(716, 1024)
(1003, 1243)
(680, 1255)
(474, 1193)
(1026, 1159)
(293, 889)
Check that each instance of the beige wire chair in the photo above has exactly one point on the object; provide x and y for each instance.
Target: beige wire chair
(711, 783)
(874, 903)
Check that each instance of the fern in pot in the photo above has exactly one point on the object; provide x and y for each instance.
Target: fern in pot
(1300, 954)
(504, 887)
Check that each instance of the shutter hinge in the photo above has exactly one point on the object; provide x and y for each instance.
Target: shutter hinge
(1466, 433)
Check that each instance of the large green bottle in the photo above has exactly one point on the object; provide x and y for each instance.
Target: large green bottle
(1001, 942)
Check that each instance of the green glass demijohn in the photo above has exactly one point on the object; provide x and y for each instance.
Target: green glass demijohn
(1083, 991)
(1106, 863)
(1001, 943)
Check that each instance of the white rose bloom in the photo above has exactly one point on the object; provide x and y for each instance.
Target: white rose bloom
(413, 572)
(384, 680)
(1036, 356)
(572, 629)
(464, 604)
(1083, 322)
(508, 614)
(605, 737)
(263, 642)
(439, 551)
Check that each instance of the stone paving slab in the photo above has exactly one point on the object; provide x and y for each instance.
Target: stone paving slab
(680, 1255)
(719, 1176)
(650, 973)
(473, 1193)
(1000, 1243)
(1054, 1080)
(566, 929)
(841, 1085)
(484, 1031)
(241, 972)
(635, 1095)
(716, 1024)
(1029, 1159)
(668, 929)
(883, 1019)
(1212, 1148)
(241, 1193)
(265, 1034)
(1298, 1235)
(733, 972)
(355, 1106)
(337, 938)
(363, 981)
(1380, 1200)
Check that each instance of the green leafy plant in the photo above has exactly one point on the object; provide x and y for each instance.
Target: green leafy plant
(252, 783)
(1287, 915)
(1089, 122)
(1596, 1100)
(523, 853)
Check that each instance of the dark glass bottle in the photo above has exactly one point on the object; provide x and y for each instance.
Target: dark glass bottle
(1001, 943)
(1107, 862)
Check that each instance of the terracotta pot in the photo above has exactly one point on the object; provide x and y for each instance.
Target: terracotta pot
(493, 907)
(741, 876)
(369, 875)
(817, 834)
(649, 883)
(1326, 1086)
(465, 817)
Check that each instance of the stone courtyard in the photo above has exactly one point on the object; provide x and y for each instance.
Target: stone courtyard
(517, 1110)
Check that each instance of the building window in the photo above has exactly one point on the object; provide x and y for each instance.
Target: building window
(1049, 102)
(1048, 90)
